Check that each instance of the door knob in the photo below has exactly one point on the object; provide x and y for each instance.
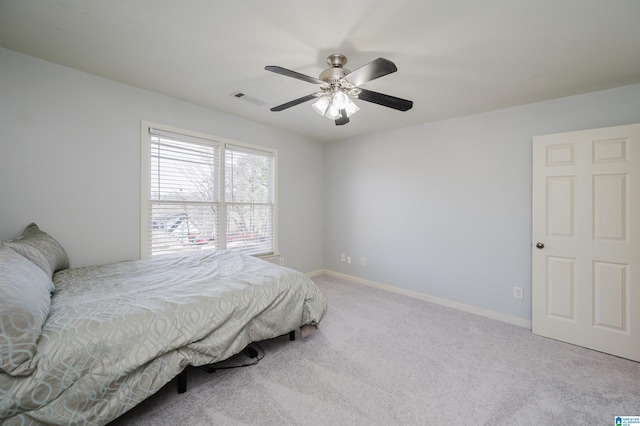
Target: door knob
(540, 245)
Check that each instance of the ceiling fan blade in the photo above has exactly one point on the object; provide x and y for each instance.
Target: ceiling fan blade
(294, 102)
(294, 74)
(374, 69)
(343, 118)
(385, 100)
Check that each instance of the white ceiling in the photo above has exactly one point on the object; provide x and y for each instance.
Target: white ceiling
(454, 57)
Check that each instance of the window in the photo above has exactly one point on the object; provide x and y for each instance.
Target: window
(200, 192)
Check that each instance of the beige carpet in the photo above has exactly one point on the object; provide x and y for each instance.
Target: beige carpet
(381, 358)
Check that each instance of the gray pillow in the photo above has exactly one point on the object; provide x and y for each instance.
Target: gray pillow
(25, 300)
(40, 248)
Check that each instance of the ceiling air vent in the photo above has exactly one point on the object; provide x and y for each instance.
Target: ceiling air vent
(248, 98)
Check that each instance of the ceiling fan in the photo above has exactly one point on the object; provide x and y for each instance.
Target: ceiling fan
(338, 86)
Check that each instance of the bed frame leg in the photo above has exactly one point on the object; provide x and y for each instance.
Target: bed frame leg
(292, 335)
(182, 381)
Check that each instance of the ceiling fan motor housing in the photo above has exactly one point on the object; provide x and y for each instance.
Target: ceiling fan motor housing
(333, 75)
(336, 72)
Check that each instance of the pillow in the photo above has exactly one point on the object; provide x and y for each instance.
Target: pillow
(25, 299)
(40, 248)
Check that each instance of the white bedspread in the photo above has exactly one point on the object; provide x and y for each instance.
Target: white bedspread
(117, 333)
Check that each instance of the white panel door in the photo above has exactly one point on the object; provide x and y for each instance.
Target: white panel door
(586, 239)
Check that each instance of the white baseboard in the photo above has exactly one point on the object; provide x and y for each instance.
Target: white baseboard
(437, 300)
(318, 273)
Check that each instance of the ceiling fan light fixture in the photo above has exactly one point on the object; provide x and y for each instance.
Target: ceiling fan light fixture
(330, 105)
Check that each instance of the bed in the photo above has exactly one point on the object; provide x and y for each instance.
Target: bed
(85, 345)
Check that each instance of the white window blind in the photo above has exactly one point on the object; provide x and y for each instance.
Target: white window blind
(249, 199)
(207, 194)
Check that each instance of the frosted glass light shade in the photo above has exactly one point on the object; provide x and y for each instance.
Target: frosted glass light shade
(333, 112)
(341, 100)
(351, 108)
(330, 105)
(321, 105)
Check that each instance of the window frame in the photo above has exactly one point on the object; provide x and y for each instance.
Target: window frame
(221, 143)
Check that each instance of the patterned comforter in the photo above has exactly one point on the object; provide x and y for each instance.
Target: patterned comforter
(117, 333)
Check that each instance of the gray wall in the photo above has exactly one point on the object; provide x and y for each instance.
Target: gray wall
(70, 161)
(444, 209)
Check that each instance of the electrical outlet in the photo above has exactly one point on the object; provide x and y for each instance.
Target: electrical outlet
(363, 261)
(518, 293)
(343, 257)
(281, 261)
(349, 260)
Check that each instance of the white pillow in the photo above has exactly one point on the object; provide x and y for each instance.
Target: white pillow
(40, 248)
(25, 300)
